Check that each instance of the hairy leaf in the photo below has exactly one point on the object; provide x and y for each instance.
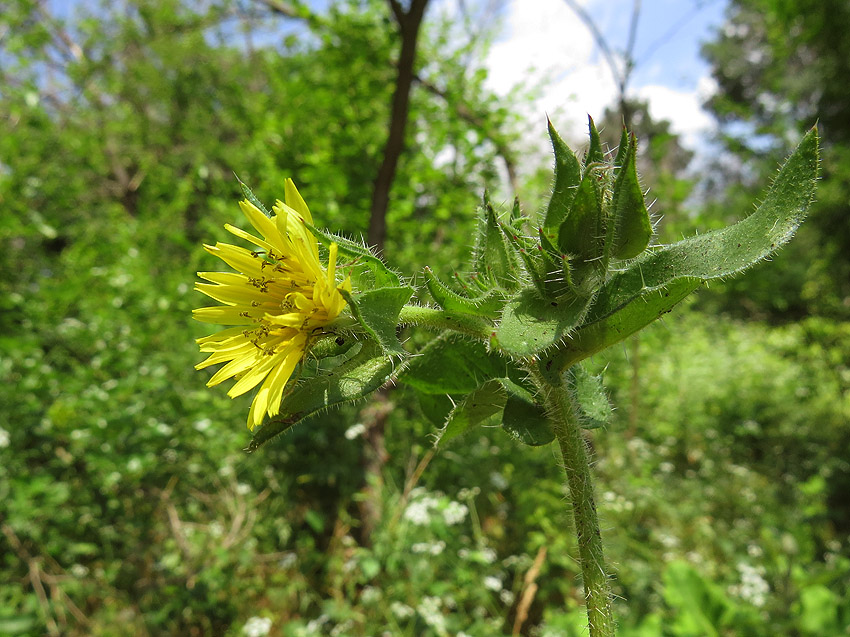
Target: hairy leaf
(594, 152)
(591, 398)
(454, 364)
(487, 305)
(481, 405)
(494, 260)
(657, 280)
(531, 324)
(384, 277)
(723, 252)
(523, 419)
(377, 311)
(250, 196)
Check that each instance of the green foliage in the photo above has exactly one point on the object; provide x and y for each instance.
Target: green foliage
(122, 488)
(660, 278)
(453, 364)
(567, 178)
(779, 67)
(377, 312)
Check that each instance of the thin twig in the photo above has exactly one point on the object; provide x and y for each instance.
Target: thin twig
(529, 590)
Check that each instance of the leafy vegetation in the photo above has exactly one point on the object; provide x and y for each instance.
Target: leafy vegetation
(127, 505)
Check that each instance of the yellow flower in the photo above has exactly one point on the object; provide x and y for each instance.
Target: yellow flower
(280, 292)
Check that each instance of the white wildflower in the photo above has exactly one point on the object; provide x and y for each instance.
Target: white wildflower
(455, 513)
(354, 431)
(493, 583)
(257, 627)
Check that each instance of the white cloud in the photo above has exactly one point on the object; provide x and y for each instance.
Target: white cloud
(546, 44)
(683, 109)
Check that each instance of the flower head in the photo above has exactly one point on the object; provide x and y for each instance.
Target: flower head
(279, 299)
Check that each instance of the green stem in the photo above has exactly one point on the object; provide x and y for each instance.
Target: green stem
(597, 585)
(436, 319)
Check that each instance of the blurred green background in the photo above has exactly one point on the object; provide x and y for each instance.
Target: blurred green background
(127, 506)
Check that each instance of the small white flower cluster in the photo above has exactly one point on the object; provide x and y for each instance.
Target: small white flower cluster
(429, 611)
(354, 431)
(427, 547)
(498, 481)
(493, 583)
(455, 513)
(419, 512)
(485, 555)
(616, 502)
(422, 507)
(753, 587)
(257, 627)
(4, 438)
(401, 611)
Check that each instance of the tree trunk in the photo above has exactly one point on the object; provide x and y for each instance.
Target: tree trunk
(409, 23)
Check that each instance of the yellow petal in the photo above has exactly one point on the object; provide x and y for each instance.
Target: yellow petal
(332, 265)
(253, 376)
(263, 224)
(226, 278)
(225, 315)
(239, 232)
(274, 384)
(295, 201)
(226, 355)
(234, 367)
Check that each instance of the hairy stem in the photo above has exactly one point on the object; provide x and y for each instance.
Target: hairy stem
(435, 319)
(597, 586)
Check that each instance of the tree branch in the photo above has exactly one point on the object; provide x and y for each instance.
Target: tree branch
(479, 121)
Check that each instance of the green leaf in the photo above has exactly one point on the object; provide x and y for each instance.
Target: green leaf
(487, 305)
(601, 334)
(517, 219)
(820, 610)
(435, 407)
(567, 179)
(558, 277)
(531, 324)
(479, 406)
(362, 374)
(454, 364)
(250, 196)
(377, 311)
(523, 419)
(384, 277)
(591, 398)
(594, 152)
(723, 252)
(493, 259)
(535, 262)
(702, 608)
(630, 226)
